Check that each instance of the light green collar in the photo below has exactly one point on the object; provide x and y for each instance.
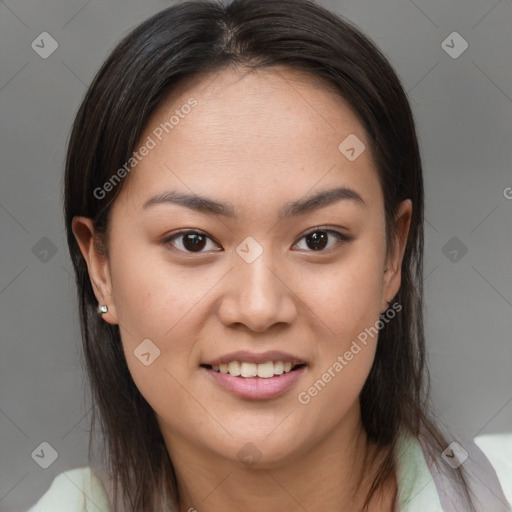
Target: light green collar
(416, 487)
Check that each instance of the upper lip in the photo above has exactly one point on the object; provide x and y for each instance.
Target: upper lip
(253, 357)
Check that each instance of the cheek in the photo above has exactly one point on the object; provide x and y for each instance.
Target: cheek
(156, 321)
(347, 298)
(156, 316)
(333, 391)
(151, 295)
(345, 356)
(347, 303)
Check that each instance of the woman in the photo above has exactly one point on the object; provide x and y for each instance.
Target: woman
(244, 210)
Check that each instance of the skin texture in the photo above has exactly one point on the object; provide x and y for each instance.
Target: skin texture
(255, 140)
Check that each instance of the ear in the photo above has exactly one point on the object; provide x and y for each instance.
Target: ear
(393, 269)
(97, 265)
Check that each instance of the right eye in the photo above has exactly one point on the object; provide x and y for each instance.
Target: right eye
(191, 241)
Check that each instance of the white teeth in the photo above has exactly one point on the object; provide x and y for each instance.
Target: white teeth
(278, 367)
(248, 370)
(234, 368)
(262, 370)
(266, 370)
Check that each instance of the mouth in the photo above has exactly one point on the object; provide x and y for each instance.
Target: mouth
(255, 381)
(247, 370)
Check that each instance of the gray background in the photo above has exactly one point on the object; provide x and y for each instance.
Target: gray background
(463, 109)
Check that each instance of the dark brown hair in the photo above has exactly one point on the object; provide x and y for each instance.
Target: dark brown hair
(185, 41)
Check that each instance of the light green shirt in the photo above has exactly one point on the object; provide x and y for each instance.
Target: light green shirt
(80, 490)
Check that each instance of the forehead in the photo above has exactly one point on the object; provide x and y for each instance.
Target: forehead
(249, 135)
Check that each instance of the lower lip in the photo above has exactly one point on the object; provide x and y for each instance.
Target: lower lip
(257, 388)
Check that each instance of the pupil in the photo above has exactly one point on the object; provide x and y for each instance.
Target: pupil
(318, 237)
(193, 241)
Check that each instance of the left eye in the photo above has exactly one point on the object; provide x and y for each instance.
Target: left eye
(195, 241)
(317, 239)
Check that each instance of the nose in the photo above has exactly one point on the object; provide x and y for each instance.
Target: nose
(257, 296)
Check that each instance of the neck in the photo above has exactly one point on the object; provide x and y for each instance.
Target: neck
(323, 476)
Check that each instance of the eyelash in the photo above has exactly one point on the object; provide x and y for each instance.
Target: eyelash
(341, 238)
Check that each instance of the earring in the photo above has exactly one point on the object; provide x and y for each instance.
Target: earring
(102, 308)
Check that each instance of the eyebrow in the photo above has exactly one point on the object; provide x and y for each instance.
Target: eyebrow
(210, 206)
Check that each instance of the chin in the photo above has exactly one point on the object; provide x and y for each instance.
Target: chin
(264, 453)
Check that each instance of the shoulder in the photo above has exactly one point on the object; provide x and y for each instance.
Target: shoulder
(75, 490)
(424, 482)
(498, 449)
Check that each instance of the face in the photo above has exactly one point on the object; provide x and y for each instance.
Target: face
(257, 271)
